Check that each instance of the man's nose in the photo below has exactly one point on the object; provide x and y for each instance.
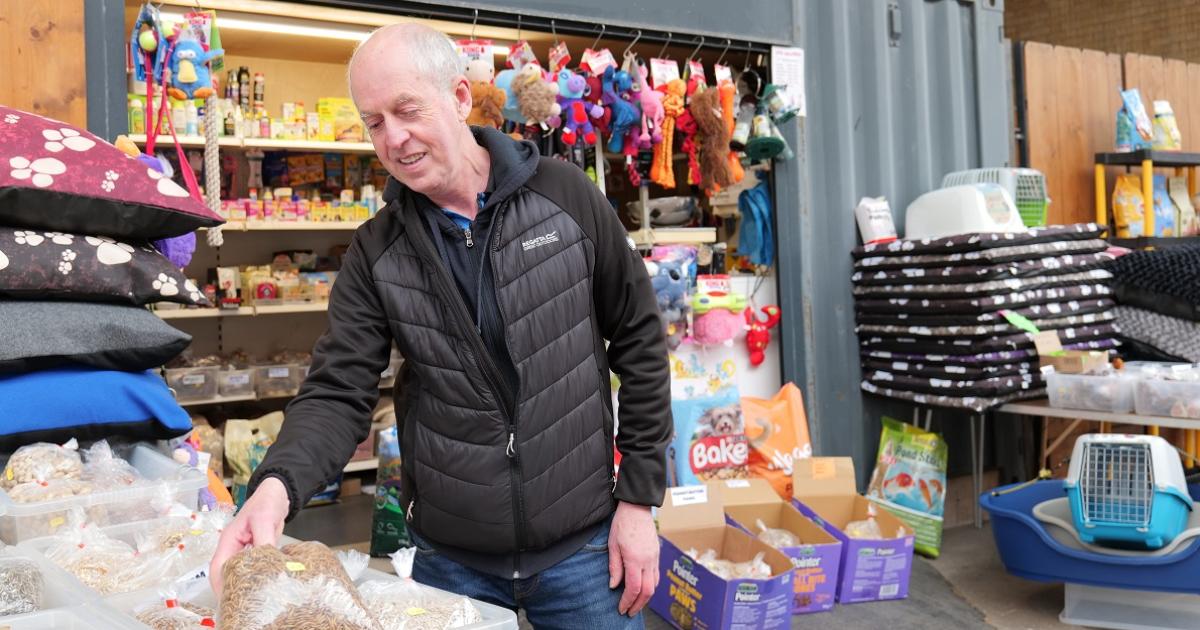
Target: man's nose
(397, 134)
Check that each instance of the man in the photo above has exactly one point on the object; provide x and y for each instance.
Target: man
(500, 276)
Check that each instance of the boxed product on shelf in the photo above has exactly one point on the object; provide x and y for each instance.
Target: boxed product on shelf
(693, 533)
(163, 477)
(1108, 392)
(1173, 392)
(338, 120)
(752, 505)
(192, 383)
(235, 382)
(872, 568)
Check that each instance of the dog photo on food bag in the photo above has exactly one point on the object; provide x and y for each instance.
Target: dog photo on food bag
(710, 438)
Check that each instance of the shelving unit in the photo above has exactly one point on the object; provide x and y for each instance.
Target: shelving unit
(268, 144)
(244, 311)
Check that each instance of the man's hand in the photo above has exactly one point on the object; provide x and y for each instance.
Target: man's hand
(258, 523)
(633, 556)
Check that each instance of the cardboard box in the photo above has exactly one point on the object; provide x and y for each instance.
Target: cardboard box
(339, 120)
(1050, 352)
(816, 559)
(870, 569)
(689, 596)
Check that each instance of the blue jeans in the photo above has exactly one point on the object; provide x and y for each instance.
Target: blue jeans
(571, 594)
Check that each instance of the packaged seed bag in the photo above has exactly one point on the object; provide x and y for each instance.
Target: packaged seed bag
(388, 529)
(910, 481)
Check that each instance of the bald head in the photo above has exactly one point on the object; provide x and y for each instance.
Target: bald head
(425, 51)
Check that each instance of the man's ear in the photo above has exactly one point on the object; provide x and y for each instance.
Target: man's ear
(462, 97)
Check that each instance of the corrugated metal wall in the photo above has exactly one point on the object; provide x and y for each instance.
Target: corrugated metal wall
(899, 93)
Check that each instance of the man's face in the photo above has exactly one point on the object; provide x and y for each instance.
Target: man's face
(415, 125)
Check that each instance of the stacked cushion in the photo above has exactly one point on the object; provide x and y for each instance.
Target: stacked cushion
(928, 311)
(76, 268)
(1159, 292)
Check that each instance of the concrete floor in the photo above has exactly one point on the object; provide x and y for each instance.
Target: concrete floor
(966, 588)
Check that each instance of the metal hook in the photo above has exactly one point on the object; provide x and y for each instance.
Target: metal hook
(554, 32)
(474, 22)
(698, 47)
(518, 27)
(728, 43)
(603, 27)
(636, 38)
(746, 65)
(663, 52)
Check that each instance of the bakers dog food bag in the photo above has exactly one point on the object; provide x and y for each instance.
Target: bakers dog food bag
(910, 481)
(777, 432)
(710, 437)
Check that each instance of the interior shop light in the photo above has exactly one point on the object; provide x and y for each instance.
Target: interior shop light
(300, 28)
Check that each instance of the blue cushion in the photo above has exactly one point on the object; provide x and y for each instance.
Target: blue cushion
(87, 404)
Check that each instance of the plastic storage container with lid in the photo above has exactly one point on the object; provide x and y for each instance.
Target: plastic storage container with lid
(1173, 392)
(64, 605)
(162, 477)
(494, 617)
(190, 384)
(274, 381)
(235, 382)
(1112, 393)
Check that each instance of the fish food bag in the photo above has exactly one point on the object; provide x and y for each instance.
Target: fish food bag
(910, 481)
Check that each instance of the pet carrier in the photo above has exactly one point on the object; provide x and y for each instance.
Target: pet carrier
(966, 209)
(1127, 490)
(1026, 186)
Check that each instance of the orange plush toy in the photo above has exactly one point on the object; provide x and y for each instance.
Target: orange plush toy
(728, 114)
(486, 102)
(662, 171)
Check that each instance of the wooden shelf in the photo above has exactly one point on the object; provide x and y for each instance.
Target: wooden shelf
(290, 226)
(269, 144)
(674, 236)
(1043, 408)
(366, 464)
(315, 307)
(198, 313)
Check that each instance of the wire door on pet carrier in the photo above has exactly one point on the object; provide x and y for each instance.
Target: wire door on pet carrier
(1117, 485)
(1127, 490)
(1026, 186)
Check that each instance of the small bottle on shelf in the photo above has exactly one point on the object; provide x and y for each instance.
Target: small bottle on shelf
(191, 118)
(137, 116)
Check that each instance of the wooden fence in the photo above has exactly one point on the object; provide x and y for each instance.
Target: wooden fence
(1071, 102)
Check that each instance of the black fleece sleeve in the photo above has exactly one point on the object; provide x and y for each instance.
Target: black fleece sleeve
(637, 353)
(332, 413)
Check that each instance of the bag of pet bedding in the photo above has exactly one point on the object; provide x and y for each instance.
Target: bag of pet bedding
(710, 436)
(910, 481)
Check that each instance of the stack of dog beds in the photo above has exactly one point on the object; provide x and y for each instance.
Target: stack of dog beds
(1159, 303)
(929, 317)
(78, 349)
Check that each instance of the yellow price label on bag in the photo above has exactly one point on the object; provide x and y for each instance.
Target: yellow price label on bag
(414, 612)
(196, 532)
(8, 473)
(57, 521)
(295, 566)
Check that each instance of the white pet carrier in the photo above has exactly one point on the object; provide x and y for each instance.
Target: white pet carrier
(1127, 490)
(1026, 186)
(967, 209)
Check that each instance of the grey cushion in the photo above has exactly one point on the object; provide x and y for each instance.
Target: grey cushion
(39, 335)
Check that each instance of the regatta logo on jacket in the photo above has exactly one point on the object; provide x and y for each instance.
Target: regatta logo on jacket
(534, 243)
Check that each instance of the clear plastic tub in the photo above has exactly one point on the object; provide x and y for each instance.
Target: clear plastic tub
(1097, 607)
(1113, 393)
(87, 617)
(24, 521)
(274, 381)
(235, 382)
(190, 384)
(1170, 398)
(494, 617)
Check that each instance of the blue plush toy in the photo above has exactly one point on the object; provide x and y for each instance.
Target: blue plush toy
(190, 77)
(512, 108)
(617, 85)
(670, 287)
